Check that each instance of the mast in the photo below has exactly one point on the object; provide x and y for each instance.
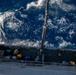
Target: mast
(45, 23)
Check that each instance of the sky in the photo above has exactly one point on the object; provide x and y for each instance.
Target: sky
(61, 13)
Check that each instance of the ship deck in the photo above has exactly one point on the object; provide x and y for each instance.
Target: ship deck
(15, 68)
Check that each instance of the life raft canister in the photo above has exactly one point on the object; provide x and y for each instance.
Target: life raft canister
(72, 63)
(15, 52)
(19, 56)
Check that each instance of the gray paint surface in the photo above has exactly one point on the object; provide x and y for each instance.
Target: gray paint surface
(12, 68)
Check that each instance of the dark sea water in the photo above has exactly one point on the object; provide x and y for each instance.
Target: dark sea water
(22, 21)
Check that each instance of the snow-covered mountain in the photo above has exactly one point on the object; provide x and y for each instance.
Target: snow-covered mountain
(21, 23)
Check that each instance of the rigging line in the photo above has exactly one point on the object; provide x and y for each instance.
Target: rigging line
(44, 26)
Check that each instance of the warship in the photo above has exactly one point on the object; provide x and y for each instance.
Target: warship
(21, 60)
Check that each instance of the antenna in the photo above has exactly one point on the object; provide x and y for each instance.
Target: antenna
(44, 26)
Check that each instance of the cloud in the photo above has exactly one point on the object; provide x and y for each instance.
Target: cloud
(62, 5)
(36, 4)
(3, 17)
(64, 44)
(68, 7)
(61, 42)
